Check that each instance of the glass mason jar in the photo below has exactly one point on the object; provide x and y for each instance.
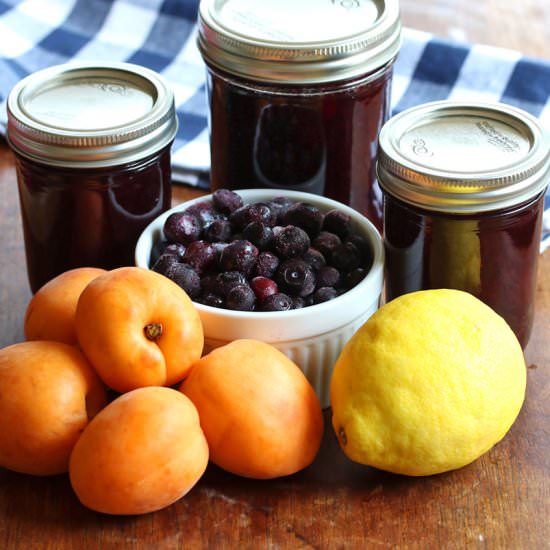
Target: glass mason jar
(92, 150)
(464, 189)
(298, 93)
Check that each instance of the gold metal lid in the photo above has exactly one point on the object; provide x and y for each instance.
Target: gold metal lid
(299, 42)
(91, 115)
(463, 157)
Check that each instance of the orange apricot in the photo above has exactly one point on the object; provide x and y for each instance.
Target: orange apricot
(138, 328)
(48, 394)
(259, 413)
(141, 453)
(50, 313)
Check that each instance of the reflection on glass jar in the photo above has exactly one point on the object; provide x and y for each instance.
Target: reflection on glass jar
(289, 148)
(404, 245)
(455, 254)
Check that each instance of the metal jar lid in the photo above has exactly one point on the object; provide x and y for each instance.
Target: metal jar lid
(463, 157)
(303, 42)
(91, 115)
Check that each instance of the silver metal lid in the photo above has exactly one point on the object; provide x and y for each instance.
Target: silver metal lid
(463, 157)
(91, 115)
(299, 42)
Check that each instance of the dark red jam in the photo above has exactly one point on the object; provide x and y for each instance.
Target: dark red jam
(318, 138)
(492, 255)
(88, 217)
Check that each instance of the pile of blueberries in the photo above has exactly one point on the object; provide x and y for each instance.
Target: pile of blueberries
(263, 256)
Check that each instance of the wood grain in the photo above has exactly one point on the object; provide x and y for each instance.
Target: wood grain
(522, 26)
(501, 501)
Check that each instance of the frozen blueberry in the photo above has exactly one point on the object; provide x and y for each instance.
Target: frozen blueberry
(182, 227)
(253, 212)
(304, 215)
(209, 282)
(324, 294)
(259, 234)
(277, 302)
(337, 222)
(326, 242)
(236, 237)
(218, 231)
(291, 242)
(226, 201)
(205, 212)
(211, 299)
(164, 262)
(314, 258)
(328, 276)
(241, 298)
(218, 248)
(176, 249)
(295, 277)
(277, 230)
(364, 247)
(263, 287)
(346, 257)
(266, 265)
(298, 302)
(186, 277)
(238, 255)
(279, 206)
(171, 253)
(201, 255)
(156, 250)
(226, 280)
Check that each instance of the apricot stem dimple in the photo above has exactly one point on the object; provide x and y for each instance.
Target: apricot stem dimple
(153, 331)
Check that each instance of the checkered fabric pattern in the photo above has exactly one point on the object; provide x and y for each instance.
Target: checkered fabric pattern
(160, 34)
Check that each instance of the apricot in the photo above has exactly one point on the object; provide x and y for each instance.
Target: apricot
(50, 313)
(259, 413)
(138, 328)
(48, 394)
(141, 453)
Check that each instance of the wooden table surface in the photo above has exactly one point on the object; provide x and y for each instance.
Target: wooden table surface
(500, 501)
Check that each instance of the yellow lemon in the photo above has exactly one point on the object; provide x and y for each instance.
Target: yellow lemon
(428, 384)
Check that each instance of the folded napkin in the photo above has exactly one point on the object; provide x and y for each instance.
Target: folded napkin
(160, 34)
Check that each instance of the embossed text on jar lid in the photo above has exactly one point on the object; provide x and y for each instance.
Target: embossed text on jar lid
(299, 42)
(91, 114)
(463, 157)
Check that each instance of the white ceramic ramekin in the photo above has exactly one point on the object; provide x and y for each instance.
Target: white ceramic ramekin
(313, 336)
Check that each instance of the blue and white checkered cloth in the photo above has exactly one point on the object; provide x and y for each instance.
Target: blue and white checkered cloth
(160, 34)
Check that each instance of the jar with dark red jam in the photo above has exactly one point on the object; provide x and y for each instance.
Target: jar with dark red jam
(298, 93)
(92, 150)
(464, 188)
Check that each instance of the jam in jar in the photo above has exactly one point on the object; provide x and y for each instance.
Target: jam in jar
(92, 150)
(298, 94)
(464, 189)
